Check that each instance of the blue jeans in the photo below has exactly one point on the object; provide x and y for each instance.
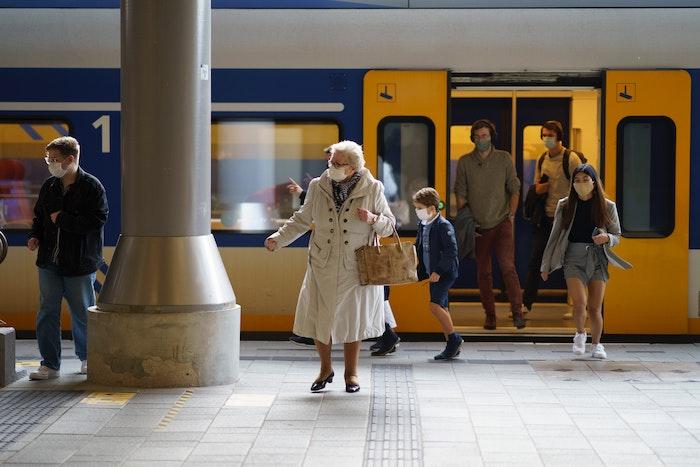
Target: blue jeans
(79, 292)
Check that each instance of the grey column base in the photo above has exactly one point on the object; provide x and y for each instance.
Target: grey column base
(7, 356)
(149, 349)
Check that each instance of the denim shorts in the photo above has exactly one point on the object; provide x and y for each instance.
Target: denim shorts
(439, 290)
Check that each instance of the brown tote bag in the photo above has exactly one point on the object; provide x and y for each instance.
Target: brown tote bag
(391, 264)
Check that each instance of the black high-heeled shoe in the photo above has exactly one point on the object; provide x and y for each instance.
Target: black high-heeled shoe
(351, 387)
(320, 384)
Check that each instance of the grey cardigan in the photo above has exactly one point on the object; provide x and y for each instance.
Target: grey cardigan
(553, 257)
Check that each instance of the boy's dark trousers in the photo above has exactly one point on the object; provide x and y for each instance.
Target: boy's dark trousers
(540, 236)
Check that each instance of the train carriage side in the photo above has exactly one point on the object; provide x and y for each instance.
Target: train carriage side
(267, 126)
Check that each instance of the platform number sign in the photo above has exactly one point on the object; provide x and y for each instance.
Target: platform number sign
(103, 123)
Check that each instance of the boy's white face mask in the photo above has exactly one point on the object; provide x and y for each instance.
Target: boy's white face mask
(423, 214)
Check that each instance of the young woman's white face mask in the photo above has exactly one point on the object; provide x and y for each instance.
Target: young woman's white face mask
(583, 184)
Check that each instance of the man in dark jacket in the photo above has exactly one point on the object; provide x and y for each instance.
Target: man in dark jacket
(69, 217)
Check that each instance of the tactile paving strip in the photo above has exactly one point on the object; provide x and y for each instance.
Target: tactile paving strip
(22, 410)
(393, 437)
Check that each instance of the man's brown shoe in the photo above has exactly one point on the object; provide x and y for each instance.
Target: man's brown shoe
(490, 322)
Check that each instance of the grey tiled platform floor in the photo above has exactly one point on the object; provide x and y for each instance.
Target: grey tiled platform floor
(515, 403)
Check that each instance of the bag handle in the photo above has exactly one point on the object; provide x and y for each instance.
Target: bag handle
(374, 237)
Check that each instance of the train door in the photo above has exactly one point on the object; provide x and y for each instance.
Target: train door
(463, 112)
(405, 143)
(647, 148)
(518, 113)
(530, 114)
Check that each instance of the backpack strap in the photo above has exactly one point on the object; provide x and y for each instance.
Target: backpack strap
(565, 163)
(539, 163)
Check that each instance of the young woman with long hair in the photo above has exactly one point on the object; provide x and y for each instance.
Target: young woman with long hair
(586, 227)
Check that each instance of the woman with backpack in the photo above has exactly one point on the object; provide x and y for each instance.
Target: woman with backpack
(586, 228)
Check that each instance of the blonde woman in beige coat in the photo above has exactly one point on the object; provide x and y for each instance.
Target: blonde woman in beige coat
(346, 206)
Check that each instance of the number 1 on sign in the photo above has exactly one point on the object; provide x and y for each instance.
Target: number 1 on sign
(103, 122)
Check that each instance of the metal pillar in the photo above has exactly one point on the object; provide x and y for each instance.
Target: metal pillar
(167, 315)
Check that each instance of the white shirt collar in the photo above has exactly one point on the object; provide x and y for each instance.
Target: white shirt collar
(431, 220)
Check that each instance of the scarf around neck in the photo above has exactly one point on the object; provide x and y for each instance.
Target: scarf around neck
(341, 190)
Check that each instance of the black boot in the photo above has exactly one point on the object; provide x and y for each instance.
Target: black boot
(454, 342)
(388, 342)
(518, 320)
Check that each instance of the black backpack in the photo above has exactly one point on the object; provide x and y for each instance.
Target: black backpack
(565, 162)
(533, 207)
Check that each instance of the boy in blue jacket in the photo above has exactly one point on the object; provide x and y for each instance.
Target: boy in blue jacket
(436, 247)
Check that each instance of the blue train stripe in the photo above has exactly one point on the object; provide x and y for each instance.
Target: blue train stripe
(218, 4)
(694, 240)
(60, 129)
(374, 4)
(29, 130)
(215, 107)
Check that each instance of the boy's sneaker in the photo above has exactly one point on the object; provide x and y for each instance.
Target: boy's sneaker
(387, 347)
(83, 367)
(43, 373)
(454, 342)
(599, 352)
(579, 347)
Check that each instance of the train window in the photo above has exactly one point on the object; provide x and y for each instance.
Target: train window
(405, 165)
(22, 167)
(532, 150)
(646, 168)
(252, 161)
(460, 144)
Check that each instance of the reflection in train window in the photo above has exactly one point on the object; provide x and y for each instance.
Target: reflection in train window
(646, 163)
(533, 148)
(460, 144)
(252, 161)
(22, 167)
(406, 159)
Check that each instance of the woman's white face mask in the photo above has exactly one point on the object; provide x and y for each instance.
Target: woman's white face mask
(337, 174)
(584, 187)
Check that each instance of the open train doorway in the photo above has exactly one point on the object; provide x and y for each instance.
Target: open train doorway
(518, 108)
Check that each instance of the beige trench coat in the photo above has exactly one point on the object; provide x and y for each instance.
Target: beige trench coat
(333, 306)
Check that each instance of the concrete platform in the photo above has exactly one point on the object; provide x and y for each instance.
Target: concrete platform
(498, 404)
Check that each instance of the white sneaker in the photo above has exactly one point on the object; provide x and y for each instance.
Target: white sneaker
(579, 347)
(83, 367)
(43, 373)
(599, 352)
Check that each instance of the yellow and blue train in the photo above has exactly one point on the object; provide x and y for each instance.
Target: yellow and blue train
(406, 81)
